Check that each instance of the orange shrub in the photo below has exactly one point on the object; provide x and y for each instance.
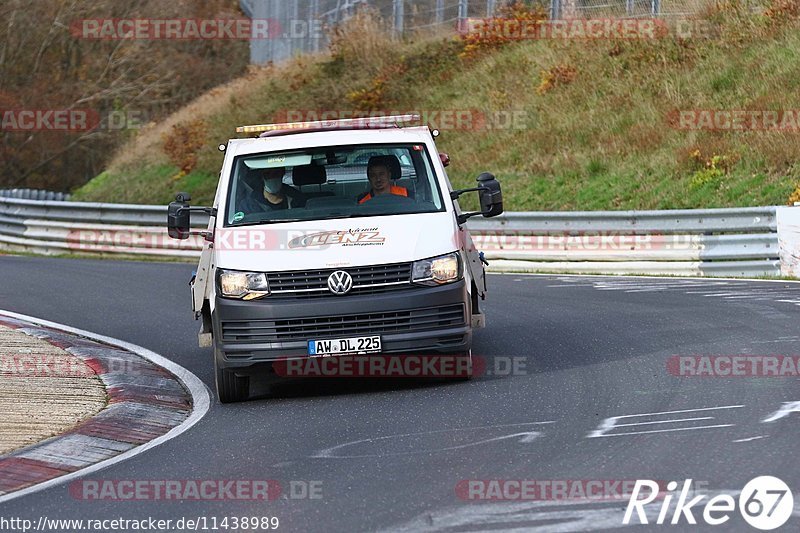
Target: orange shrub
(502, 29)
(182, 143)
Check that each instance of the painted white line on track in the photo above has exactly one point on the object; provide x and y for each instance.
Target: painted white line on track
(610, 424)
(672, 421)
(750, 438)
(634, 277)
(201, 402)
(661, 430)
(526, 438)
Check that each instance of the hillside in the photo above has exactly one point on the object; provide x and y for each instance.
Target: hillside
(597, 122)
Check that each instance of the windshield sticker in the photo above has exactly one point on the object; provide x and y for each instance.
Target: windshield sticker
(278, 161)
(237, 216)
(350, 237)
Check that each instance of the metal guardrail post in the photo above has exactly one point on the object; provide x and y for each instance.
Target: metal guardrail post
(313, 16)
(463, 12)
(399, 15)
(439, 12)
(555, 9)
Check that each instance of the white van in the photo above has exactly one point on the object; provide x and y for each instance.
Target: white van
(334, 238)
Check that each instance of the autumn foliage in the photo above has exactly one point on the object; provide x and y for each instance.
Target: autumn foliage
(125, 83)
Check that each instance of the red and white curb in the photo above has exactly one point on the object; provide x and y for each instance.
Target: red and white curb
(151, 400)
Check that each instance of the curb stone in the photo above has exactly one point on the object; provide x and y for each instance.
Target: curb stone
(145, 401)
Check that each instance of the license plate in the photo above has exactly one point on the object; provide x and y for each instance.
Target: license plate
(352, 345)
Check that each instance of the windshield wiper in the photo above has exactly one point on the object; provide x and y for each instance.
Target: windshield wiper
(268, 221)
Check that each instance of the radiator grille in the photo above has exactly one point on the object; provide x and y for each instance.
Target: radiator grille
(307, 328)
(366, 280)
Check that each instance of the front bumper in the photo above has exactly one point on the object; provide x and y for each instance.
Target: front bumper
(420, 320)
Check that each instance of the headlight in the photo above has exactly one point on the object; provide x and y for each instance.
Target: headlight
(243, 285)
(437, 270)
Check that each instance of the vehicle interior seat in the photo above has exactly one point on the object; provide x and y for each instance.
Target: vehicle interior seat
(305, 177)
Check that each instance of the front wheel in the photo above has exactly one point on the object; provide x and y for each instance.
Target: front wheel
(230, 387)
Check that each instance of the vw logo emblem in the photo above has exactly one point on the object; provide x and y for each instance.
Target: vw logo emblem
(340, 282)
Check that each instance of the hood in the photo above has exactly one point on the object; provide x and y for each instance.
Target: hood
(337, 243)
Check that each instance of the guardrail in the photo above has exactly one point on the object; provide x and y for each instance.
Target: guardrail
(754, 241)
(34, 194)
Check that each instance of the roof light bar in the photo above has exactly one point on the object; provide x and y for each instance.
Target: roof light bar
(349, 123)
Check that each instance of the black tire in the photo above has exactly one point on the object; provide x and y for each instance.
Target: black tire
(230, 387)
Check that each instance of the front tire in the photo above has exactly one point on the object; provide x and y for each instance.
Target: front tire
(230, 387)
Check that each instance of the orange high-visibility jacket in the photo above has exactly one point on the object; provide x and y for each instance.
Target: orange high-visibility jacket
(399, 191)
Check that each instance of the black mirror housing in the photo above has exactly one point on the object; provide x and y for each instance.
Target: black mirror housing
(490, 195)
(178, 221)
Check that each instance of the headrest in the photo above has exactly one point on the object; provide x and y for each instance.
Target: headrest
(389, 161)
(308, 175)
(253, 179)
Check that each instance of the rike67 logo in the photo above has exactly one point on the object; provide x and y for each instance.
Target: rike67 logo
(765, 503)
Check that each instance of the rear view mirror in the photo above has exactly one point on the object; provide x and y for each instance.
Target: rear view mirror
(178, 222)
(490, 195)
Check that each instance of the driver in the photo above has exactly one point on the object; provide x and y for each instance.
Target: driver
(269, 192)
(379, 174)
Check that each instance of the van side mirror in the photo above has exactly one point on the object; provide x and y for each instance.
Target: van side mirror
(490, 195)
(178, 222)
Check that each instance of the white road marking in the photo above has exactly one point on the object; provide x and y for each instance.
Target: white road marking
(785, 409)
(610, 423)
(726, 288)
(201, 401)
(526, 437)
(751, 438)
(664, 430)
(559, 516)
(630, 277)
(665, 421)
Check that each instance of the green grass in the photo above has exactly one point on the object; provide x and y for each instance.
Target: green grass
(602, 141)
(156, 184)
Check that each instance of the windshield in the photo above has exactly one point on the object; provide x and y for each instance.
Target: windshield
(332, 182)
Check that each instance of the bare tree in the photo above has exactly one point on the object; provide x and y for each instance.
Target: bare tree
(45, 66)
